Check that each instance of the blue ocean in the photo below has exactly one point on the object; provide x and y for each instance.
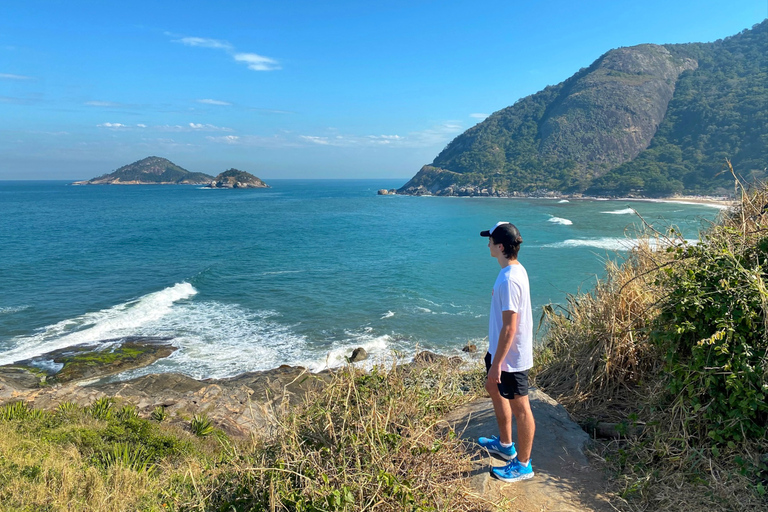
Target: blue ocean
(300, 273)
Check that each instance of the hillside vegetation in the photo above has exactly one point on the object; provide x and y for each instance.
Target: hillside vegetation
(150, 170)
(673, 347)
(648, 120)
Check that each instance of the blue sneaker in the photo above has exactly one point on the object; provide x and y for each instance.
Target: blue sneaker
(493, 445)
(514, 471)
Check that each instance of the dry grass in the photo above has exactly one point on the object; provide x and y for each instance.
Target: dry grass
(597, 353)
(369, 441)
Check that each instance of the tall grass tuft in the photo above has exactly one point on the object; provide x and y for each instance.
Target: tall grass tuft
(369, 441)
(598, 351)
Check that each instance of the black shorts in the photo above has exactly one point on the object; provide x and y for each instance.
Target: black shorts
(512, 383)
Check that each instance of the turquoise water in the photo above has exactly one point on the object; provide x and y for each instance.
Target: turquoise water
(299, 274)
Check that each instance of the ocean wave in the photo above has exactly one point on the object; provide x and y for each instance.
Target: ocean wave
(8, 310)
(563, 201)
(561, 221)
(120, 320)
(625, 211)
(608, 243)
(388, 314)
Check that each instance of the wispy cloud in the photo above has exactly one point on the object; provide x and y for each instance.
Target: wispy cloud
(10, 76)
(435, 136)
(254, 61)
(140, 125)
(257, 62)
(276, 141)
(106, 104)
(193, 127)
(478, 116)
(324, 141)
(214, 102)
(226, 139)
(204, 42)
(112, 125)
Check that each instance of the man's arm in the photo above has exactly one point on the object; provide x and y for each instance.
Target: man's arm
(507, 334)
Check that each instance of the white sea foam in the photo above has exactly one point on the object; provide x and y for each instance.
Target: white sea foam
(607, 243)
(377, 347)
(625, 211)
(121, 320)
(12, 309)
(388, 314)
(222, 340)
(563, 201)
(561, 221)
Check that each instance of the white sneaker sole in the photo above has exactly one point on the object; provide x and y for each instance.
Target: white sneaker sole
(526, 476)
(503, 455)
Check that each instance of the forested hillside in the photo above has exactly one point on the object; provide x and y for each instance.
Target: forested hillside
(646, 120)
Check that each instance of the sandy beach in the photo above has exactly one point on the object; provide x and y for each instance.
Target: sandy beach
(721, 203)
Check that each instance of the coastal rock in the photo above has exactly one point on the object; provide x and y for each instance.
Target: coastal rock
(234, 178)
(469, 348)
(426, 357)
(359, 354)
(86, 361)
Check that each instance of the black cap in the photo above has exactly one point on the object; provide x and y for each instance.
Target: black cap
(504, 232)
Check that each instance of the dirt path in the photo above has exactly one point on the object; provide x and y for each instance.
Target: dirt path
(563, 481)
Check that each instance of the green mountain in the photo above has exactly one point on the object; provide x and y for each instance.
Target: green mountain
(152, 170)
(651, 120)
(234, 178)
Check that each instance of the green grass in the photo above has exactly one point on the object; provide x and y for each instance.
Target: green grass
(367, 441)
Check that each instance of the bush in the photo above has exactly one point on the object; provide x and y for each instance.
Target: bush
(713, 330)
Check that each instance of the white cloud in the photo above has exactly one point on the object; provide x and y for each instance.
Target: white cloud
(257, 62)
(254, 61)
(214, 102)
(110, 104)
(10, 76)
(275, 141)
(111, 125)
(478, 116)
(192, 127)
(225, 139)
(316, 140)
(208, 127)
(140, 125)
(438, 135)
(205, 43)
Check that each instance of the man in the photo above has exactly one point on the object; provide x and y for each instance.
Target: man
(510, 356)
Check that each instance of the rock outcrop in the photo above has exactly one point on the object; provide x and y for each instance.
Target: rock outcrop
(561, 138)
(234, 178)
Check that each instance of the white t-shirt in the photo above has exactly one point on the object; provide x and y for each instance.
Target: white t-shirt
(511, 292)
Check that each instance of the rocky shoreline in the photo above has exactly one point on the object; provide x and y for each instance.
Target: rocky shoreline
(238, 405)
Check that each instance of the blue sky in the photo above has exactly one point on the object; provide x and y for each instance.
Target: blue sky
(297, 89)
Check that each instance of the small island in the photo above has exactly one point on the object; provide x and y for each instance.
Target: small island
(234, 178)
(152, 170)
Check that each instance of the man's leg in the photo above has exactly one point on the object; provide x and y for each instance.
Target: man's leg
(526, 427)
(501, 406)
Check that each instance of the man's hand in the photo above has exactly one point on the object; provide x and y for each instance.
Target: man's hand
(494, 374)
